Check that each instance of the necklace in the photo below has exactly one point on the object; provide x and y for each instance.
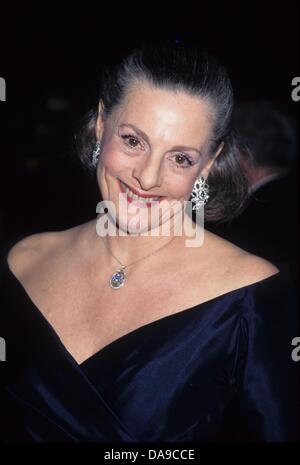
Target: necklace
(117, 279)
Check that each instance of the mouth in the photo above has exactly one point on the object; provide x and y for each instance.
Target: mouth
(139, 199)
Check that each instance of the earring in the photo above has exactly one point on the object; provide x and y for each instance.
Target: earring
(96, 153)
(200, 192)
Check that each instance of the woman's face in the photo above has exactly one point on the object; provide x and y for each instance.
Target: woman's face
(155, 144)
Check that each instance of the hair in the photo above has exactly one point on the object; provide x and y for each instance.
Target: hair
(268, 131)
(179, 67)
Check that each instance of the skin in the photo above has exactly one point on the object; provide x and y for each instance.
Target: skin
(66, 273)
(154, 166)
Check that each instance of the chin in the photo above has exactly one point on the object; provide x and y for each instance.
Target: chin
(132, 228)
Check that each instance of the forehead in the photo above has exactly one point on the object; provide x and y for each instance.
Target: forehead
(166, 113)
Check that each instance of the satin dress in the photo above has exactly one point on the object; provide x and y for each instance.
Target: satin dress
(221, 371)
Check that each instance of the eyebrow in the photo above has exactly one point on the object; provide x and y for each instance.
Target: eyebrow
(144, 135)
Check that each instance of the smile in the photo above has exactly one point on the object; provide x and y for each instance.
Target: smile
(139, 200)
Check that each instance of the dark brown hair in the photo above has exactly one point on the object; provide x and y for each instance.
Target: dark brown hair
(174, 66)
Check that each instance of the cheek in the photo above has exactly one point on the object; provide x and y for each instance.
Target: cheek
(114, 160)
(112, 163)
(180, 190)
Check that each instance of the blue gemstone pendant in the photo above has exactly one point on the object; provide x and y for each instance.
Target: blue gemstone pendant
(117, 279)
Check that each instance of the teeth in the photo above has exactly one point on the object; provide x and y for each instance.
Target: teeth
(136, 197)
(142, 199)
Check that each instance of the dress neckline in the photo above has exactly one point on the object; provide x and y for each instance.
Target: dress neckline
(135, 331)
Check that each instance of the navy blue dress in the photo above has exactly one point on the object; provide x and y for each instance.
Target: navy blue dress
(220, 371)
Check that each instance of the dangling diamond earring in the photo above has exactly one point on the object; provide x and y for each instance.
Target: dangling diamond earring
(200, 192)
(96, 153)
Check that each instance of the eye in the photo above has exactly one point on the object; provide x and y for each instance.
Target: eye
(130, 140)
(183, 161)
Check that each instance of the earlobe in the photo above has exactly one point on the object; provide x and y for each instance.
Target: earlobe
(100, 107)
(99, 121)
(206, 170)
(220, 148)
(98, 127)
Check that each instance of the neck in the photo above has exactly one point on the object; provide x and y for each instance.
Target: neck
(130, 248)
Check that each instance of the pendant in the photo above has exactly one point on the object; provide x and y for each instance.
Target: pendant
(118, 278)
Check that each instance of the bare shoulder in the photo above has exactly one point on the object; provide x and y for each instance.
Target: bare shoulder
(39, 251)
(237, 266)
(247, 268)
(29, 250)
(256, 268)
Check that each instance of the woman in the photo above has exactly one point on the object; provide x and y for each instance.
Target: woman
(187, 343)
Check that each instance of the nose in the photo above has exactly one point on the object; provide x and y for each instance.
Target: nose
(149, 172)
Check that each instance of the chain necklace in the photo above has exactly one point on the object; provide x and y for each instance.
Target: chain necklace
(117, 279)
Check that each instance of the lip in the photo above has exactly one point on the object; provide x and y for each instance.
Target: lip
(136, 202)
(137, 192)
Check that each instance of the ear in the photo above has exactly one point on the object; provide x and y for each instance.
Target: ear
(100, 121)
(205, 171)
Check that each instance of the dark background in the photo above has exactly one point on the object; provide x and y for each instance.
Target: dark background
(50, 60)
